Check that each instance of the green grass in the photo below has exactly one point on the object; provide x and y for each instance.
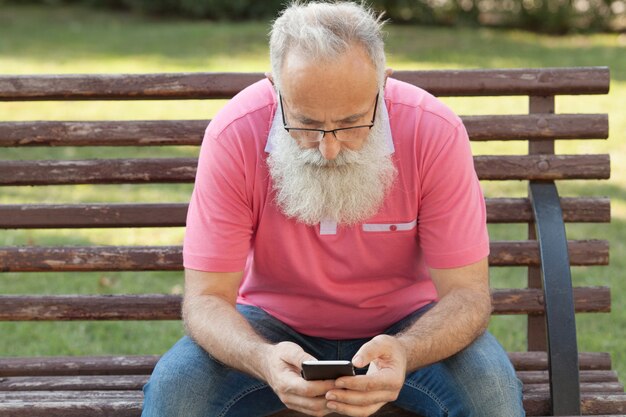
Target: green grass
(75, 40)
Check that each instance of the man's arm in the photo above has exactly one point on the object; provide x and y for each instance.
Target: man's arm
(213, 322)
(460, 316)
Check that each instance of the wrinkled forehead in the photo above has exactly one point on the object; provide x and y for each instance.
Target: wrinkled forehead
(354, 65)
(347, 83)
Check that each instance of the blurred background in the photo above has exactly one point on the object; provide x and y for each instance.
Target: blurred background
(142, 36)
(549, 16)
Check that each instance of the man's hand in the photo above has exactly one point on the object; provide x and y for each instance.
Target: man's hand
(282, 373)
(363, 395)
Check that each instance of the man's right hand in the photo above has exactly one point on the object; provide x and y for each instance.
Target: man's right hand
(282, 372)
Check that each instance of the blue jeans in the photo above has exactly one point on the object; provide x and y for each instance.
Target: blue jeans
(187, 382)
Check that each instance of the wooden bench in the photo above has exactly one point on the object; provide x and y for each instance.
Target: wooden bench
(558, 380)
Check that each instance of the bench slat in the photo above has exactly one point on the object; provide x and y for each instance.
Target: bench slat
(98, 403)
(537, 127)
(103, 133)
(535, 381)
(136, 382)
(170, 86)
(524, 362)
(91, 258)
(49, 216)
(80, 407)
(538, 361)
(526, 253)
(575, 209)
(190, 132)
(106, 171)
(542, 167)
(168, 307)
(81, 382)
(538, 82)
(90, 307)
(85, 365)
(46, 216)
(531, 300)
(594, 404)
(165, 170)
(541, 377)
(165, 86)
(18, 396)
(593, 387)
(169, 258)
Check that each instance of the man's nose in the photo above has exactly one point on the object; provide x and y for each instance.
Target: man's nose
(330, 146)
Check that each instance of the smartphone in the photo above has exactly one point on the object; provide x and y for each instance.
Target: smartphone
(320, 370)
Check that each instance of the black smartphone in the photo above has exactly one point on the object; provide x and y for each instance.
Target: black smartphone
(320, 370)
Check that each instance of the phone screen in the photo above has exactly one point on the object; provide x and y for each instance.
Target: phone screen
(320, 370)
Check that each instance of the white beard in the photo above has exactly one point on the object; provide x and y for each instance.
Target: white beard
(347, 190)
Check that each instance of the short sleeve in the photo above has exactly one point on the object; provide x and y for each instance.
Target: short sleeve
(452, 216)
(219, 220)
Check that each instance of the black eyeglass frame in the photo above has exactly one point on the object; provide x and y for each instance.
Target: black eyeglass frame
(322, 131)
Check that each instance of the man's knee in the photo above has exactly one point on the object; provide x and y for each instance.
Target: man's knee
(180, 384)
(487, 379)
(188, 382)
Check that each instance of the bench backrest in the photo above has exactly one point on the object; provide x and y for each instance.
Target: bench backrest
(539, 165)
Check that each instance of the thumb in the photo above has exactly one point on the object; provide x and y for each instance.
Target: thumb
(294, 354)
(368, 352)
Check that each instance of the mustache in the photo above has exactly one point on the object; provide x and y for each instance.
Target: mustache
(313, 157)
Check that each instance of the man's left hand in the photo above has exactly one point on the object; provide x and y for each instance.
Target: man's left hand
(363, 395)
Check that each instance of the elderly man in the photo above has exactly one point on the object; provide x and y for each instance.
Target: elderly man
(336, 215)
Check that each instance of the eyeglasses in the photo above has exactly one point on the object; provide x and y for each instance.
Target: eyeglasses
(342, 134)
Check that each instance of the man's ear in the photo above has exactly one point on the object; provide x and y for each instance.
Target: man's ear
(388, 72)
(270, 77)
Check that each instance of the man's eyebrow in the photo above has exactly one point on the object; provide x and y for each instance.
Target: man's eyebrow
(353, 117)
(308, 121)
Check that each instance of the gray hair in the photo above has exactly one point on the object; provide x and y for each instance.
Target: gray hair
(322, 31)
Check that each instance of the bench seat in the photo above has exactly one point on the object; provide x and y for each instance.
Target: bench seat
(99, 386)
(558, 380)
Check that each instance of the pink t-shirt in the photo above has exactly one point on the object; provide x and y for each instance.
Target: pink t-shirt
(328, 281)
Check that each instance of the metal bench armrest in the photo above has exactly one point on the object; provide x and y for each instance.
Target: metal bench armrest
(558, 299)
